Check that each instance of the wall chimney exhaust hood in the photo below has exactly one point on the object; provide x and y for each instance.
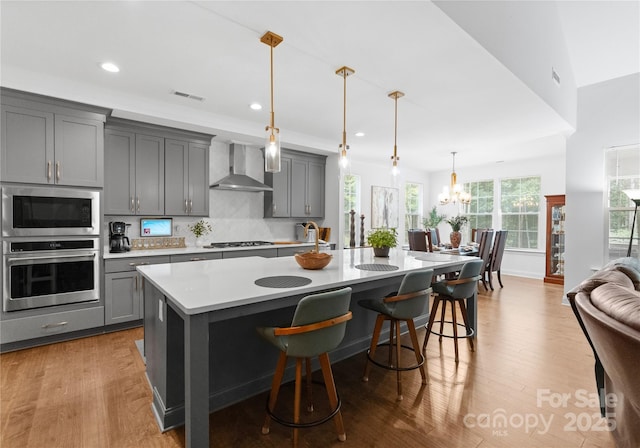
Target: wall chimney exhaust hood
(237, 179)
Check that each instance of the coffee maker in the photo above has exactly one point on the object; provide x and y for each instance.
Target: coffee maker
(118, 241)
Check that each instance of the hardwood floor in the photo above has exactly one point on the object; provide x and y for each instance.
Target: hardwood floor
(92, 392)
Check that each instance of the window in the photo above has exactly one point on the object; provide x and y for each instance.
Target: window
(520, 207)
(351, 202)
(480, 210)
(412, 208)
(622, 166)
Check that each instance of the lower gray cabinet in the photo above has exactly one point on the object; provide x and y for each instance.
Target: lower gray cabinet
(123, 288)
(264, 253)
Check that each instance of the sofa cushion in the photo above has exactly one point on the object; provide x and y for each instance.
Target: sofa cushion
(629, 266)
(619, 303)
(601, 277)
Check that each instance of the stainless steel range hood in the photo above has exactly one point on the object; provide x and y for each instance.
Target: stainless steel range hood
(237, 178)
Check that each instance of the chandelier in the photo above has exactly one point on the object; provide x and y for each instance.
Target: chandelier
(272, 146)
(344, 72)
(454, 192)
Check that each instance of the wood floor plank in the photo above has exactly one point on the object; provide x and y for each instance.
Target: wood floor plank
(93, 392)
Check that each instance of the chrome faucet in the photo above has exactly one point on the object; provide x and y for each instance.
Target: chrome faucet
(306, 231)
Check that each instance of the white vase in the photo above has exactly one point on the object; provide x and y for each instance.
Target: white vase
(199, 241)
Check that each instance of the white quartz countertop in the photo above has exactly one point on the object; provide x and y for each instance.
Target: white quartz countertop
(196, 250)
(203, 286)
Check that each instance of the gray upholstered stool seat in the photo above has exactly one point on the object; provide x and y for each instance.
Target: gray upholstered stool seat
(411, 301)
(455, 291)
(318, 326)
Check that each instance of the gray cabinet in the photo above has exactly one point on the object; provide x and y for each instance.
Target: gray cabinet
(264, 253)
(196, 257)
(298, 189)
(134, 174)
(123, 288)
(186, 178)
(44, 143)
(155, 171)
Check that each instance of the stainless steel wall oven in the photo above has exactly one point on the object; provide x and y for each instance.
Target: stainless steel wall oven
(39, 273)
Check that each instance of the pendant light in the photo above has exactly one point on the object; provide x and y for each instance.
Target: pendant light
(272, 145)
(344, 72)
(394, 168)
(454, 192)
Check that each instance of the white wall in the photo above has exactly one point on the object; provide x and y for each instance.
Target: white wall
(608, 115)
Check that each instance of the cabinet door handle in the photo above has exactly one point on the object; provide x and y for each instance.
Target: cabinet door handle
(186, 207)
(138, 204)
(58, 171)
(273, 209)
(59, 324)
(133, 209)
(48, 170)
(197, 259)
(139, 263)
(190, 205)
(135, 283)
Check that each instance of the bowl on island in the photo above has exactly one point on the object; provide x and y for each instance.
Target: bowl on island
(313, 260)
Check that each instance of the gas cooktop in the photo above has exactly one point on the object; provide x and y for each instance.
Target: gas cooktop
(238, 244)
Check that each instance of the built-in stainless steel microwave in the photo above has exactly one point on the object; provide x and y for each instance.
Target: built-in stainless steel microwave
(49, 211)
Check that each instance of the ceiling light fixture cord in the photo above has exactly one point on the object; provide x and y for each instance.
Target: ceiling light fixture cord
(395, 95)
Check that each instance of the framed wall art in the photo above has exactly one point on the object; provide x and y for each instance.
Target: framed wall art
(384, 207)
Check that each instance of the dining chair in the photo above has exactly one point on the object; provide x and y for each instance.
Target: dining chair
(485, 238)
(499, 243)
(411, 301)
(318, 326)
(454, 291)
(418, 240)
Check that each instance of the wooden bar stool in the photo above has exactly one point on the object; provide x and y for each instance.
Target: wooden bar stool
(318, 327)
(455, 291)
(411, 301)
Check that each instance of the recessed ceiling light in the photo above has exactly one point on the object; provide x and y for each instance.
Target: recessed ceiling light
(255, 106)
(110, 67)
(359, 134)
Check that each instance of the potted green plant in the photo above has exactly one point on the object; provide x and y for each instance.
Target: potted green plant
(199, 229)
(456, 223)
(382, 239)
(433, 219)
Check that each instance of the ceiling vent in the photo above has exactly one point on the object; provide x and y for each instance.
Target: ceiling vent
(188, 95)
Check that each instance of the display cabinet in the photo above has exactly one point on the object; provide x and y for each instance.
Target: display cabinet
(554, 272)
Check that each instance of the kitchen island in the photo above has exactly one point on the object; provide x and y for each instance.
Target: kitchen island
(201, 348)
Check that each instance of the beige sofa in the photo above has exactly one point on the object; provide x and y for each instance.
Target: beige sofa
(607, 306)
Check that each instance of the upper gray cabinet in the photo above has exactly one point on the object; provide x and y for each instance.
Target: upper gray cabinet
(298, 189)
(134, 173)
(155, 171)
(47, 141)
(187, 178)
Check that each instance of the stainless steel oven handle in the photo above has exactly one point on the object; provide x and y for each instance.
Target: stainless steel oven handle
(50, 257)
(59, 324)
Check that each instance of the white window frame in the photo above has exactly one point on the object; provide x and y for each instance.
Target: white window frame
(356, 205)
(418, 213)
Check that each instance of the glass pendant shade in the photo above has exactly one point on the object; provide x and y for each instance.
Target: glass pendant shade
(272, 151)
(344, 158)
